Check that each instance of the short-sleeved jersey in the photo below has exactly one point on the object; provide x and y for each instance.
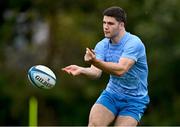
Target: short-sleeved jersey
(134, 82)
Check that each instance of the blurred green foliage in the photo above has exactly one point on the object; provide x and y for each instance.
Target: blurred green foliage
(56, 33)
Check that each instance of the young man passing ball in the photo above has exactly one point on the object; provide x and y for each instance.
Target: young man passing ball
(123, 56)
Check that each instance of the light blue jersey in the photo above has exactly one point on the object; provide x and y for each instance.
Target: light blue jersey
(134, 82)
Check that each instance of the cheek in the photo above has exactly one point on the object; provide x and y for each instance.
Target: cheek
(114, 30)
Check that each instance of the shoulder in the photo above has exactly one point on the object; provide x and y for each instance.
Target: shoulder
(103, 43)
(134, 41)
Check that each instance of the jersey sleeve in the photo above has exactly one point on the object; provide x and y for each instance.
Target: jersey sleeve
(133, 49)
(99, 50)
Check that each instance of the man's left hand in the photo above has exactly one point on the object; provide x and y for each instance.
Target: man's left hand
(89, 56)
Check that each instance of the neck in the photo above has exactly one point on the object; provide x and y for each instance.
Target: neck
(118, 37)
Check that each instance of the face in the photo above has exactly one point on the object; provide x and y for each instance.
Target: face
(111, 27)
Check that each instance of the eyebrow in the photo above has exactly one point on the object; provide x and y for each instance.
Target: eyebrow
(110, 23)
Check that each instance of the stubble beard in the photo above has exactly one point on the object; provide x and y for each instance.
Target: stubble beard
(111, 36)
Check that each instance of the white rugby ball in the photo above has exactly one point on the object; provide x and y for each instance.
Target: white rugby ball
(42, 77)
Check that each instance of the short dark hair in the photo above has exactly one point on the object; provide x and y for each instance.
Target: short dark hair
(118, 13)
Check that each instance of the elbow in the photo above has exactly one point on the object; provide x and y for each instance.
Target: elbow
(94, 77)
(120, 73)
(98, 76)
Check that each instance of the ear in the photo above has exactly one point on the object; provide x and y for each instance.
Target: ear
(121, 25)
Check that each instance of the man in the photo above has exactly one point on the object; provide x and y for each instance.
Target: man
(123, 56)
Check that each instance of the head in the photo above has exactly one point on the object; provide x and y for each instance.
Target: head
(114, 21)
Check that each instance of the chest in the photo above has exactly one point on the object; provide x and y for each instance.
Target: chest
(113, 53)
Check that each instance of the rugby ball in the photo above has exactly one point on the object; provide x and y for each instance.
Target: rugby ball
(42, 77)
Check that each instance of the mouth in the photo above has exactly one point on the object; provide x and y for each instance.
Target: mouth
(106, 32)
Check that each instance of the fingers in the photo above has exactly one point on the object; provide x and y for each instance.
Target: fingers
(71, 69)
(67, 69)
(89, 56)
(90, 51)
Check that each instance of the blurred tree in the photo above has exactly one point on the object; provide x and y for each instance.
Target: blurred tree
(56, 33)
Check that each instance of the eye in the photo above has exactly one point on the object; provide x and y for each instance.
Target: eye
(110, 23)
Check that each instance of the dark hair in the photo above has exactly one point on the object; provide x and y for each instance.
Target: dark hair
(118, 13)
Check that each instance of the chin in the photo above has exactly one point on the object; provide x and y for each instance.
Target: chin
(107, 36)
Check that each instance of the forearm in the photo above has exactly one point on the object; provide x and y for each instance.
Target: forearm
(110, 67)
(118, 69)
(90, 72)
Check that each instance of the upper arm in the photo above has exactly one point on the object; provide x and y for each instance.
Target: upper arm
(133, 49)
(100, 49)
(126, 63)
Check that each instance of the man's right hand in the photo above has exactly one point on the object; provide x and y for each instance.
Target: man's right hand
(73, 70)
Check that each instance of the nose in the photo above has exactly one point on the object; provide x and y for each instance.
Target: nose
(105, 26)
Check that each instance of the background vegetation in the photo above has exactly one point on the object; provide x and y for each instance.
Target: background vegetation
(55, 33)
